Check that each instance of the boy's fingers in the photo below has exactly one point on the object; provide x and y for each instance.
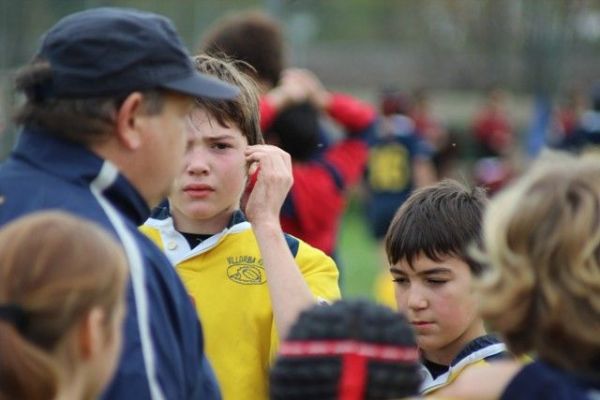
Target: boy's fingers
(254, 166)
(275, 165)
(261, 152)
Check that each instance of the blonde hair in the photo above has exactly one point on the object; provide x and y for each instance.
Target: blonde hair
(542, 241)
(54, 268)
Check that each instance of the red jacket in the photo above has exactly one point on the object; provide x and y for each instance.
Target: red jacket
(317, 199)
(493, 129)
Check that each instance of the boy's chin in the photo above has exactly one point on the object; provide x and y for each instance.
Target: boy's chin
(427, 342)
(196, 211)
(202, 213)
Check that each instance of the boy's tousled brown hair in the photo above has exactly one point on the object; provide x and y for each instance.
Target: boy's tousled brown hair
(542, 242)
(437, 221)
(243, 110)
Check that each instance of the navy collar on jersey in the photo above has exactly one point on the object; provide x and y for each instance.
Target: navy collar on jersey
(474, 345)
(162, 211)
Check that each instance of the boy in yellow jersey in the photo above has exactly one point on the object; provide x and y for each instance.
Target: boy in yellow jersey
(248, 280)
(427, 245)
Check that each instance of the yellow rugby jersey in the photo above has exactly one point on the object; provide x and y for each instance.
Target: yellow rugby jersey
(225, 277)
(384, 290)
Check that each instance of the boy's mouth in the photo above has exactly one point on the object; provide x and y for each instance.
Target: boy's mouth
(421, 324)
(198, 190)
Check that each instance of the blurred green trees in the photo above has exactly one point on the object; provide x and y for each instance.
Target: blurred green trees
(362, 45)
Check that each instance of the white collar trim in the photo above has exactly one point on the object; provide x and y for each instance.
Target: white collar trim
(177, 248)
(429, 384)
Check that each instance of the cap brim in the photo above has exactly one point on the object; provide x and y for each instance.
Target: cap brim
(201, 85)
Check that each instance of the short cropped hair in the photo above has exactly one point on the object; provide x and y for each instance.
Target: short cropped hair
(319, 374)
(242, 110)
(253, 37)
(296, 130)
(81, 120)
(542, 242)
(437, 221)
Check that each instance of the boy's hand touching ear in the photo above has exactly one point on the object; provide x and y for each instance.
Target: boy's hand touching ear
(269, 181)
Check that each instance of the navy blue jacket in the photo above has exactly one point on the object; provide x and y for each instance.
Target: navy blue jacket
(539, 380)
(163, 355)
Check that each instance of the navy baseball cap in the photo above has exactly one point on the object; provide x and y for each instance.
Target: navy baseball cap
(112, 51)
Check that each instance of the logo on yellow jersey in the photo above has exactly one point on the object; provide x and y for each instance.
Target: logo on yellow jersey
(246, 270)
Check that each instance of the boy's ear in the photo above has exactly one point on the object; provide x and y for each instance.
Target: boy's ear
(90, 333)
(130, 121)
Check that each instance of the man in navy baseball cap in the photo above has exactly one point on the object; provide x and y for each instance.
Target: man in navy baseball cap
(107, 51)
(107, 99)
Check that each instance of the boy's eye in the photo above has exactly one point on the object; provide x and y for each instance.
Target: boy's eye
(189, 144)
(221, 146)
(400, 280)
(436, 281)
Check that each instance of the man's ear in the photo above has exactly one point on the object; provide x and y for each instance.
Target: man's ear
(129, 121)
(90, 333)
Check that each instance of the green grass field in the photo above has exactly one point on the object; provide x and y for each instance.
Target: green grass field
(358, 253)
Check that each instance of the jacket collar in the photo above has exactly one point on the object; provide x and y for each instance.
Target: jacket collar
(163, 211)
(475, 345)
(176, 247)
(75, 163)
(476, 350)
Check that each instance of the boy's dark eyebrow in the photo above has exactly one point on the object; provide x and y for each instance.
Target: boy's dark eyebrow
(432, 271)
(437, 270)
(220, 137)
(396, 270)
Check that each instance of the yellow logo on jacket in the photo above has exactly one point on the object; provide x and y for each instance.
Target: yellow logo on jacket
(246, 270)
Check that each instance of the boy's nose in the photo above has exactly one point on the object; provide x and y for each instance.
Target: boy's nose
(416, 299)
(197, 163)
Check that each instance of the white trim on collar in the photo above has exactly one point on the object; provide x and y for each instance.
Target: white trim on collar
(429, 384)
(177, 248)
(107, 176)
